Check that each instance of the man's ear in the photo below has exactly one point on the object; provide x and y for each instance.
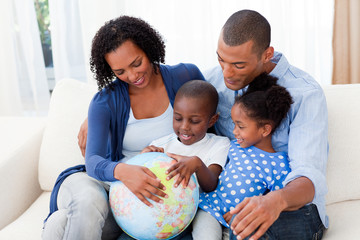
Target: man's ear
(213, 119)
(268, 54)
(267, 130)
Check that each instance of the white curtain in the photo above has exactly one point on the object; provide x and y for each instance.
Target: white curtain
(301, 29)
(23, 83)
(66, 40)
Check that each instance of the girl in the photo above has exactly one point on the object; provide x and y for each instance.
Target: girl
(254, 167)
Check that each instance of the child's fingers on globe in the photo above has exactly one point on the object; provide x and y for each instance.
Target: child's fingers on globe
(186, 181)
(179, 179)
(160, 149)
(175, 172)
(173, 155)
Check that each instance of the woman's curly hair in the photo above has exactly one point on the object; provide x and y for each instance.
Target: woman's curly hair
(114, 33)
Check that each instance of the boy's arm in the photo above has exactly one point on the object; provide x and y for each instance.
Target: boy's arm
(186, 166)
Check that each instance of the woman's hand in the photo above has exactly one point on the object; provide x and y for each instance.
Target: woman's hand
(82, 136)
(184, 168)
(142, 182)
(152, 148)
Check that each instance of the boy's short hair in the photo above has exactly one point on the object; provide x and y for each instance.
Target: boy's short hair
(200, 89)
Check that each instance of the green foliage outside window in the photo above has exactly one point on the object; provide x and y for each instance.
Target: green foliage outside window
(42, 14)
(43, 18)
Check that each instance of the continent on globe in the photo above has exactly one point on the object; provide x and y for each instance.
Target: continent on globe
(165, 220)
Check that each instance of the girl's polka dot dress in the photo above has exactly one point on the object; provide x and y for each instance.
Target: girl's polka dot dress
(249, 172)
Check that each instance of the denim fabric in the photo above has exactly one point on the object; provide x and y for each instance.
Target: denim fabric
(83, 211)
(303, 224)
(206, 227)
(185, 235)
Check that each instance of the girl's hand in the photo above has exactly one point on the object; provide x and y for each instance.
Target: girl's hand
(141, 181)
(227, 217)
(152, 148)
(184, 168)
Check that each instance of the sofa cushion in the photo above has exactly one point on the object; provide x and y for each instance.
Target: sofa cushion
(29, 225)
(344, 218)
(59, 149)
(344, 162)
(20, 140)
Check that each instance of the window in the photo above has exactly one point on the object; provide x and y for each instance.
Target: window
(43, 18)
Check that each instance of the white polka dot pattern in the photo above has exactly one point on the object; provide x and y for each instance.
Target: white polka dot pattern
(249, 172)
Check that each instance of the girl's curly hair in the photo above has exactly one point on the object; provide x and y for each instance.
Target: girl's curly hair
(114, 33)
(265, 101)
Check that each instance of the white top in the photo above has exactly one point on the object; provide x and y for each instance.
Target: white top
(136, 139)
(212, 149)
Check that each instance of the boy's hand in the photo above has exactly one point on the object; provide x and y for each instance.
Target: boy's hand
(152, 148)
(184, 168)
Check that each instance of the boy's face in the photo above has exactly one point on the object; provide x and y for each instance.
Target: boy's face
(191, 119)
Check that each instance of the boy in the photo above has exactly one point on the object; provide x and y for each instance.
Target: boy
(195, 150)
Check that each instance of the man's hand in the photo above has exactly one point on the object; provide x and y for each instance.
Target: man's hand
(256, 213)
(82, 136)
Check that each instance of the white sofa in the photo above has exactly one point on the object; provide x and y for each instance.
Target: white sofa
(35, 150)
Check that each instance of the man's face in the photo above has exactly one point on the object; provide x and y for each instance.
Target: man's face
(240, 65)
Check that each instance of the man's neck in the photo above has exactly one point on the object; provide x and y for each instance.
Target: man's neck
(269, 66)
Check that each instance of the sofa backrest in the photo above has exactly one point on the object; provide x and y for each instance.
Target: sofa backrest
(68, 109)
(59, 149)
(343, 168)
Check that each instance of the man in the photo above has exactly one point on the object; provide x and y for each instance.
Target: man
(298, 210)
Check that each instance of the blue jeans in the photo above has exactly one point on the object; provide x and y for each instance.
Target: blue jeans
(301, 224)
(84, 212)
(185, 235)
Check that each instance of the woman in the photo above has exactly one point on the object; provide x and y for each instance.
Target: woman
(122, 120)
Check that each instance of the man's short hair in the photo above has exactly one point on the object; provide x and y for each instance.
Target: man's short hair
(246, 25)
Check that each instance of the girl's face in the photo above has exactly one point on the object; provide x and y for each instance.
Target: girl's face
(246, 130)
(131, 65)
(191, 119)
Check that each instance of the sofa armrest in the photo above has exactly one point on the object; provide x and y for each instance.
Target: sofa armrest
(20, 141)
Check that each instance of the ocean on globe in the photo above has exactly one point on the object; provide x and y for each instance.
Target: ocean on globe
(165, 220)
